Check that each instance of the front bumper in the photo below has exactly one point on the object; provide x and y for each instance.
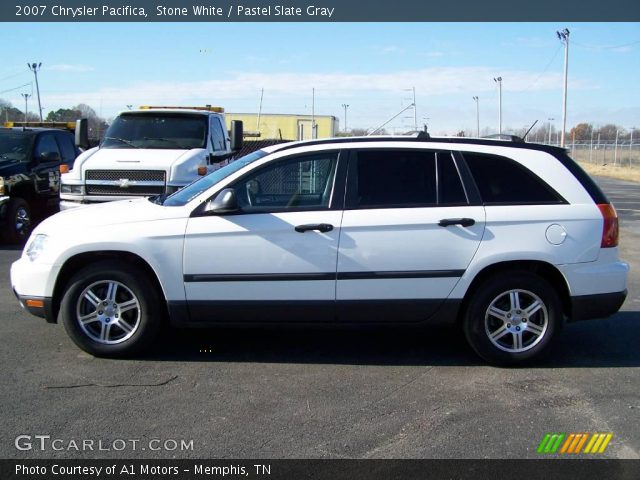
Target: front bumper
(39, 306)
(34, 281)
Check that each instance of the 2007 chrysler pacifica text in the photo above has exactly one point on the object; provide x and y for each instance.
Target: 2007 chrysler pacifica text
(508, 239)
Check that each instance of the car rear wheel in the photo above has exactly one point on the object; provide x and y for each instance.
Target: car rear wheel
(513, 318)
(110, 309)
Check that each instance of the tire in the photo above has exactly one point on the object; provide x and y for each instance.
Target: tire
(19, 221)
(110, 309)
(513, 318)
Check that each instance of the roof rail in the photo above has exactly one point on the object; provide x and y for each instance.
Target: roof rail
(505, 137)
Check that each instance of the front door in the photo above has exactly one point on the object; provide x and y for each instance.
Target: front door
(275, 259)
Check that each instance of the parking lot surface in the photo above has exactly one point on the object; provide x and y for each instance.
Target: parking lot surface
(322, 394)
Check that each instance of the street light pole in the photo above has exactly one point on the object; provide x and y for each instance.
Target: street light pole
(550, 120)
(477, 99)
(26, 98)
(563, 36)
(345, 106)
(34, 67)
(498, 80)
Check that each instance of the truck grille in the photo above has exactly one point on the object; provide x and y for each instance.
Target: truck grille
(125, 182)
(133, 175)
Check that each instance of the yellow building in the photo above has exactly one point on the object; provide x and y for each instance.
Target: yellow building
(285, 126)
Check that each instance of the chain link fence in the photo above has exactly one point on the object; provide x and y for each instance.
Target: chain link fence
(622, 154)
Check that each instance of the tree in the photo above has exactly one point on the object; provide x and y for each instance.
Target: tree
(64, 115)
(9, 113)
(608, 132)
(581, 132)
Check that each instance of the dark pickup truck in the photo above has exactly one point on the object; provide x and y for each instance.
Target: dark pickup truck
(30, 161)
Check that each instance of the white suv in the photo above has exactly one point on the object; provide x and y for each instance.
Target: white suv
(506, 238)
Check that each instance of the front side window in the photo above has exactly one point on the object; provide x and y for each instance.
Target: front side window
(394, 178)
(157, 130)
(301, 183)
(46, 144)
(503, 181)
(217, 134)
(67, 148)
(191, 191)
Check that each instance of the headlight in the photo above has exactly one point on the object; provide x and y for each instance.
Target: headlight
(72, 189)
(36, 246)
(1, 185)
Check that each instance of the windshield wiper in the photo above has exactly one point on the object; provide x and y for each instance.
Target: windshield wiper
(126, 142)
(164, 140)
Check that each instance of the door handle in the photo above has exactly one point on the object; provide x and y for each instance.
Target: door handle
(321, 227)
(465, 222)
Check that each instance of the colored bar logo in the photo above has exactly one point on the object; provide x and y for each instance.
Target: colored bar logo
(573, 443)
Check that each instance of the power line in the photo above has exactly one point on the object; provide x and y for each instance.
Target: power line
(544, 71)
(606, 47)
(16, 88)
(12, 76)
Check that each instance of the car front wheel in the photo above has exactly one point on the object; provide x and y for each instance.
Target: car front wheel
(513, 318)
(109, 309)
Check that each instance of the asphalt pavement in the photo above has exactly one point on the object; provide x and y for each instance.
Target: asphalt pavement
(319, 394)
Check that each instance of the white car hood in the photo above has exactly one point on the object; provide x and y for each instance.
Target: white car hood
(108, 213)
(132, 158)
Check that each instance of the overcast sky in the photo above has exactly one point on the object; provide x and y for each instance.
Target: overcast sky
(370, 66)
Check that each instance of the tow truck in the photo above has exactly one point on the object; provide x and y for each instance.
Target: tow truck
(154, 150)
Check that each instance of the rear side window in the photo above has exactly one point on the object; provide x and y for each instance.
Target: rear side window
(503, 181)
(388, 178)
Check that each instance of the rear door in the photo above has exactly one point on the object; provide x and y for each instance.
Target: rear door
(409, 231)
(275, 259)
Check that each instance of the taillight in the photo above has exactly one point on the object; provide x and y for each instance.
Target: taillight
(610, 226)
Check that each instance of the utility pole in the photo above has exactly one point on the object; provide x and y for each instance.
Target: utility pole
(498, 80)
(34, 67)
(345, 106)
(550, 120)
(313, 113)
(26, 105)
(563, 36)
(477, 99)
(631, 144)
(415, 111)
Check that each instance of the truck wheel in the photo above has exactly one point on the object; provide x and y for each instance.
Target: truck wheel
(18, 221)
(513, 318)
(110, 309)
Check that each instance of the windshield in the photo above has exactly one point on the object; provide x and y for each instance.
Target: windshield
(15, 146)
(188, 193)
(157, 130)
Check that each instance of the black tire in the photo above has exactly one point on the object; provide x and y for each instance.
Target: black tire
(19, 221)
(131, 328)
(535, 331)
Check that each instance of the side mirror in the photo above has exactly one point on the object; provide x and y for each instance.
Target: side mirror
(82, 133)
(225, 202)
(48, 157)
(236, 135)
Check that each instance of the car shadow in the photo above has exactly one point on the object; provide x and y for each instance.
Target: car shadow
(605, 343)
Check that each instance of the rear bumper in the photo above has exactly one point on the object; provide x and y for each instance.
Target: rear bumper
(586, 307)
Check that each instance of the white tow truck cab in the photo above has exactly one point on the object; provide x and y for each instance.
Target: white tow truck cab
(150, 151)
